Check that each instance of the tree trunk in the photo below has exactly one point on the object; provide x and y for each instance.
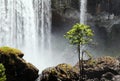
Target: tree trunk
(79, 62)
(82, 67)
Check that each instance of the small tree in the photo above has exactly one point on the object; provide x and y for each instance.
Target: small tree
(79, 35)
(2, 73)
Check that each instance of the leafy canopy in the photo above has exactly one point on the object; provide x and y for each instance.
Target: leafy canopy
(79, 34)
(2, 73)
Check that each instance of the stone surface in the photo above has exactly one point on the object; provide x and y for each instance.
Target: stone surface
(62, 72)
(103, 68)
(17, 69)
(102, 15)
(100, 69)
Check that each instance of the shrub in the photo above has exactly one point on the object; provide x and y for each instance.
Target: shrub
(2, 73)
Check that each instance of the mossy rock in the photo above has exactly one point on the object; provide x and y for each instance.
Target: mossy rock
(17, 69)
(62, 72)
(8, 50)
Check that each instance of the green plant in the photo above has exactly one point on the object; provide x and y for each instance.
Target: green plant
(2, 73)
(89, 55)
(79, 35)
(9, 50)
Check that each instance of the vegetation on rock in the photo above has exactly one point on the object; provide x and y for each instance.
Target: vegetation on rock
(62, 72)
(8, 51)
(79, 35)
(17, 69)
(2, 73)
(97, 69)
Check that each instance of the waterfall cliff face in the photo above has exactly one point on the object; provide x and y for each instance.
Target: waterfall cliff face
(103, 17)
(28, 27)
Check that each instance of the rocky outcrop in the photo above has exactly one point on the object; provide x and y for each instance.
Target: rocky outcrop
(100, 69)
(106, 30)
(62, 72)
(17, 69)
(102, 15)
(110, 6)
(94, 6)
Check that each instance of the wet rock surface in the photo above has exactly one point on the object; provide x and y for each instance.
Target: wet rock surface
(62, 72)
(102, 15)
(100, 69)
(17, 69)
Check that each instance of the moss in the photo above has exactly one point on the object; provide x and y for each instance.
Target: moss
(9, 50)
(91, 62)
(64, 66)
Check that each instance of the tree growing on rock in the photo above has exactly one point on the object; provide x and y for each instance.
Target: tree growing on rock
(2, 73)
(79, 35)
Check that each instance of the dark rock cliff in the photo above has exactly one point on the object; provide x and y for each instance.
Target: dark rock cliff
(102, 15)
(111, 6)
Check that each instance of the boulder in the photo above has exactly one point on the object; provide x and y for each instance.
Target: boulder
(62, 72)
(17, 69)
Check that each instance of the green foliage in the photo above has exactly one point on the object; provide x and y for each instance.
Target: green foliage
(2, 73)
(88, 54)
(8, 50)
(79, 34)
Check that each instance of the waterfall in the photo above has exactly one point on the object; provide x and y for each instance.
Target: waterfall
(16, 23)
(83, 17)
(46, 26)
(26, 24)
(83, 10)
(42, 10)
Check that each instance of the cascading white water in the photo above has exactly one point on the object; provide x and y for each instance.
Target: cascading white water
(46, 26)
(27, 27)
(83, 10)
(17, 23)
(43, 24)
(83, 16)
(17, 27)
